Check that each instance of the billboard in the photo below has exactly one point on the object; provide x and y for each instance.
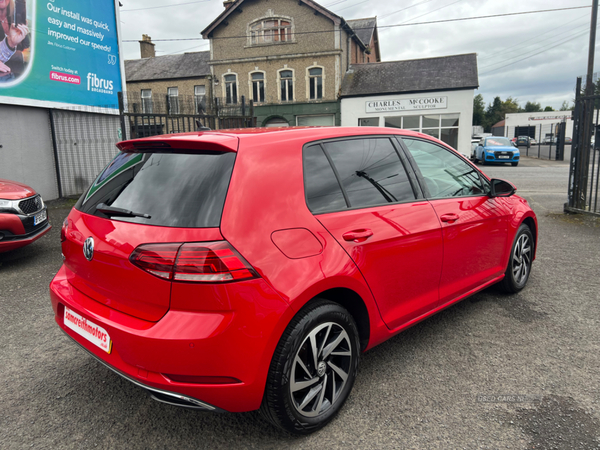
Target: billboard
(60, 54)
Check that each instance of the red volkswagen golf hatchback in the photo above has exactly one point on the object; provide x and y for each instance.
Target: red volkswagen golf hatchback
(248, 269)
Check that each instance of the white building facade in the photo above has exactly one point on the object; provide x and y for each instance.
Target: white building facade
(537, 125)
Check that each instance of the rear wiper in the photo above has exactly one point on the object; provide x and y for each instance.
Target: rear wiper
(112, 211)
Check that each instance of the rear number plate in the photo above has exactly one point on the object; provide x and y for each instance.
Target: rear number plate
(40, 217)
(87, 329)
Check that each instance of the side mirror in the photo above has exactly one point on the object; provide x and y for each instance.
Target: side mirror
(501, 188)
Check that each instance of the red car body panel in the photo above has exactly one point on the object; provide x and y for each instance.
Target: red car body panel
(159, 327)
(13, 190)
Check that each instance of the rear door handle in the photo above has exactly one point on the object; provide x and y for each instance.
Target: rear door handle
(450, 218)
(358, 235)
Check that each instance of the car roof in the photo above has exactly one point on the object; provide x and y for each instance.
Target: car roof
(229, 139)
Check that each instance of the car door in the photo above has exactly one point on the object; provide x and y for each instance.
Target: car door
(361, 192)
(474, 225)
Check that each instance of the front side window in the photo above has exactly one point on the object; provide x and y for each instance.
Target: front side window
(173, 94)
(370, 171)
(200, 99)
(271, 31)
(147, 101)
(258, 87)
(230, 89)
(287, 85)
(315, 83)
(445, 174)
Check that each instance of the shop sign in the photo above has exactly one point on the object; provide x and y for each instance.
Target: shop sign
(406, 104)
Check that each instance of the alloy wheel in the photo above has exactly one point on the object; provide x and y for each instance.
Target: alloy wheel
(521, 263)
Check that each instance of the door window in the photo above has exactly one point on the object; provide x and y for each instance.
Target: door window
(370, 171)
(445, 174)
(323, 192)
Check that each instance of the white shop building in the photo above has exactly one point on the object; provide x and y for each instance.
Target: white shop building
(433, 96)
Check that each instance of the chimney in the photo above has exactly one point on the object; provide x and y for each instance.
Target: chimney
(147, 47)
(228, 3)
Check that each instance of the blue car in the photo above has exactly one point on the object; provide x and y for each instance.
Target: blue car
(496, 149)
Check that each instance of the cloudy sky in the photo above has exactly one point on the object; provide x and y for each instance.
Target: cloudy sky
(530, 57)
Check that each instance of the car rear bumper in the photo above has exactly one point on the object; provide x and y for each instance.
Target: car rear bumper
(235, 346)
(12, 242)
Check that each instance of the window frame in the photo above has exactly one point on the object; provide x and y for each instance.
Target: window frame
(254, 35)
(485, 181)
(309, 80)
(199, 99)
(173, 100)
(147, 103)
(292, 81)
(412, 177)
(251, 83)
(234, 85)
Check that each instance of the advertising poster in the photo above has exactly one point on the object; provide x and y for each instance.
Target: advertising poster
(59, 53)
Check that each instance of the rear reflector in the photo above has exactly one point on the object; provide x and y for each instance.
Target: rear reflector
(206, 262)
(202, 380)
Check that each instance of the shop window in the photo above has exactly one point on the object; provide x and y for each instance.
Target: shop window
(173, 95)
(258, 87)
(286, 78)
(230, 89)
(147, 101)
(315, 83)
(200, 99)
(443, 127)
(270, 31)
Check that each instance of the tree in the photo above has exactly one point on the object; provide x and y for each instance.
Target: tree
(493, 114)
(478, 110)
(566, 106)
(548, 108)
(510, 106)
(533, 107)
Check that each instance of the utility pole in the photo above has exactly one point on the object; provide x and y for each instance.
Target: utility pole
(589, 89)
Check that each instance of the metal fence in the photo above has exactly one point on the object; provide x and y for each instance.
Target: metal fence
(143, 117)
(584, 173)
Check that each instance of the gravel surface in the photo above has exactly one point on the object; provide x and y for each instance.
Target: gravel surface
(493, 372)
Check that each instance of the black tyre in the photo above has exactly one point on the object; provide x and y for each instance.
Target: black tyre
(313, 369)
(514, 164)
(519, 263)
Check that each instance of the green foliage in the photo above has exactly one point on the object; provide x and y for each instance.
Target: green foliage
(478, 110)
(566, 106)
(533, 107)
(548, 108)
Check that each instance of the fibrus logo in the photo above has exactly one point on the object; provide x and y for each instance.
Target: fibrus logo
(100, 85)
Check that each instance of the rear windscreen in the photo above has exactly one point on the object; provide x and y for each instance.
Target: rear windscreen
(175, 190)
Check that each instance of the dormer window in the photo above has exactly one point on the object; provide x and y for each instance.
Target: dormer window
(270, 31)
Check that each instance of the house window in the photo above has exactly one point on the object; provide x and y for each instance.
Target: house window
(287, 85)
(315, 83)
(230, 89)
(147, 101)
(200, 99)
(270, 31)
(258, 87)
(173, 94)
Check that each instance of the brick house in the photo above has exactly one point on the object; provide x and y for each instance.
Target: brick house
(288, 56)
(179, 83)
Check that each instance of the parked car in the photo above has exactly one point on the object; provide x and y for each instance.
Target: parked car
(523, 140)
(568, 140)
(549, 140)
(248, 269)
(23, 215)
(495, 150)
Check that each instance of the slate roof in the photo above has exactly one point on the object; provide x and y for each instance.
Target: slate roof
(363, 28)
(186, 65)
(417, 75)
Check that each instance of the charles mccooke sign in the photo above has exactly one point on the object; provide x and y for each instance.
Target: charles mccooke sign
(406, 104)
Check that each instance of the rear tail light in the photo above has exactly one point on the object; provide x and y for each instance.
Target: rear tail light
(206, 262)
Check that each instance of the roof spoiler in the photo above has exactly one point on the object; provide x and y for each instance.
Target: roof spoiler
(201, 142)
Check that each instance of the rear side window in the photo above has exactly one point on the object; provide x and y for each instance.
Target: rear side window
(370, 171)
(323, 192)
(175, 190)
